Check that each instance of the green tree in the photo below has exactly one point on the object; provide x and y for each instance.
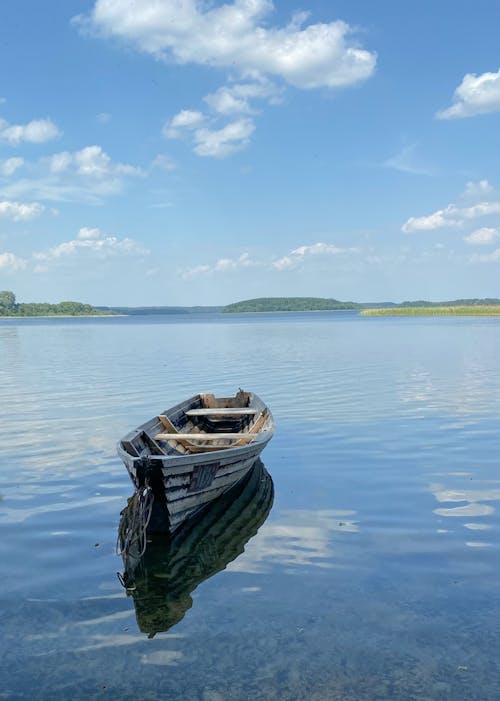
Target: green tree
(7, 302)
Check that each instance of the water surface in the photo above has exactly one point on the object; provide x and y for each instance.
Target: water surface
(376, 574)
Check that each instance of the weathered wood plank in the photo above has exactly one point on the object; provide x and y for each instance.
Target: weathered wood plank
(221, 412)
(202, 436)
(172, 481)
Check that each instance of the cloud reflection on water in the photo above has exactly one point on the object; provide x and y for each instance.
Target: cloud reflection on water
(302, 537)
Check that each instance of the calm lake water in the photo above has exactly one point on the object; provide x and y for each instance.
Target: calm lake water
(376, 574)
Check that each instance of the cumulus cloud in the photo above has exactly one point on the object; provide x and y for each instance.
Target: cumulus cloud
(476, 94)
(37, 131)
(237, 35)
(90, 161)
(86, 175)
(298, 255)
(18, 211)
(9, 261)
(485, 235)
(91, 242)
(183, 120)
(223, 142)
(235, 98)
(207, 138)
(10, 165)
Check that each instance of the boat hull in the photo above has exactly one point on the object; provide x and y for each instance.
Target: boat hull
(184, 484)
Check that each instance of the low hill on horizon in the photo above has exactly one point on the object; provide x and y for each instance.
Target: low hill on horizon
(307, 304)
(289, 304)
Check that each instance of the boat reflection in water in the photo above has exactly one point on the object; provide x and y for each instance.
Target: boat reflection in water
(162, 579)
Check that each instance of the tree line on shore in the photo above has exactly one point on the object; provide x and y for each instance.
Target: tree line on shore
(9, 307)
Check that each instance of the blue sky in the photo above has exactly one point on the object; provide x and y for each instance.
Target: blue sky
(183, 152)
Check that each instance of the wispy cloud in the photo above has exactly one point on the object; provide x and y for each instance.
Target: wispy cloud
(291, 260)
(493, 257)
(298, 255)
(103, 117)
(11, 262)
(222, 265)
(476, 94)
(453, 215)
(406, 161)
(9, 166)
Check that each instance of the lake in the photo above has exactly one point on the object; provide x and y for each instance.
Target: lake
(376, 574)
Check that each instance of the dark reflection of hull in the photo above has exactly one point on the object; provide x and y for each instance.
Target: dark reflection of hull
(161, 581)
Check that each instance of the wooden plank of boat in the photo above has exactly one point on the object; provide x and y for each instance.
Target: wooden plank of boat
(221, 412)
(201, 436)
(243, 439)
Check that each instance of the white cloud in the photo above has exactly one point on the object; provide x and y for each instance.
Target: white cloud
(451, 216)
(208, 139)
(234, 98)
(298, 255)
(222, 142)
(18, 211)
(222, 265)
(225, 264)
(88, 234)
(10, 165)
(406, 162)
(237, 36)
(287, 262)
(483, 236)
(90, 241)
(163, 162)
(86, 175)
(481, 188)
(9, 261)
(37, 131)
(476, 94)
(185, 119)
(90, 161)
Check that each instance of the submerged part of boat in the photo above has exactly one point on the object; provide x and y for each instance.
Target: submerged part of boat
(189, 455)
(162, 579)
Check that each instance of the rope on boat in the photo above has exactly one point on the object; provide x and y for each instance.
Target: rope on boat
(134, 523)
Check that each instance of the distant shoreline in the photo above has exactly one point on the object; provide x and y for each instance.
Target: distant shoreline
(65, 316)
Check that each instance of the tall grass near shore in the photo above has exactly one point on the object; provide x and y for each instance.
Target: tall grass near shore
(477, 310)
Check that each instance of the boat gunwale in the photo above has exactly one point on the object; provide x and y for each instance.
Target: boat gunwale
(259, 442)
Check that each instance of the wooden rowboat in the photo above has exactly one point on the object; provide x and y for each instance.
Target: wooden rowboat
(194, 452)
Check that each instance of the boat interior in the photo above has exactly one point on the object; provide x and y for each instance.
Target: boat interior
(203, 423)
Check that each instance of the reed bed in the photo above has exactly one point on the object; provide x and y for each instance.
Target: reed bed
(478, 310)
